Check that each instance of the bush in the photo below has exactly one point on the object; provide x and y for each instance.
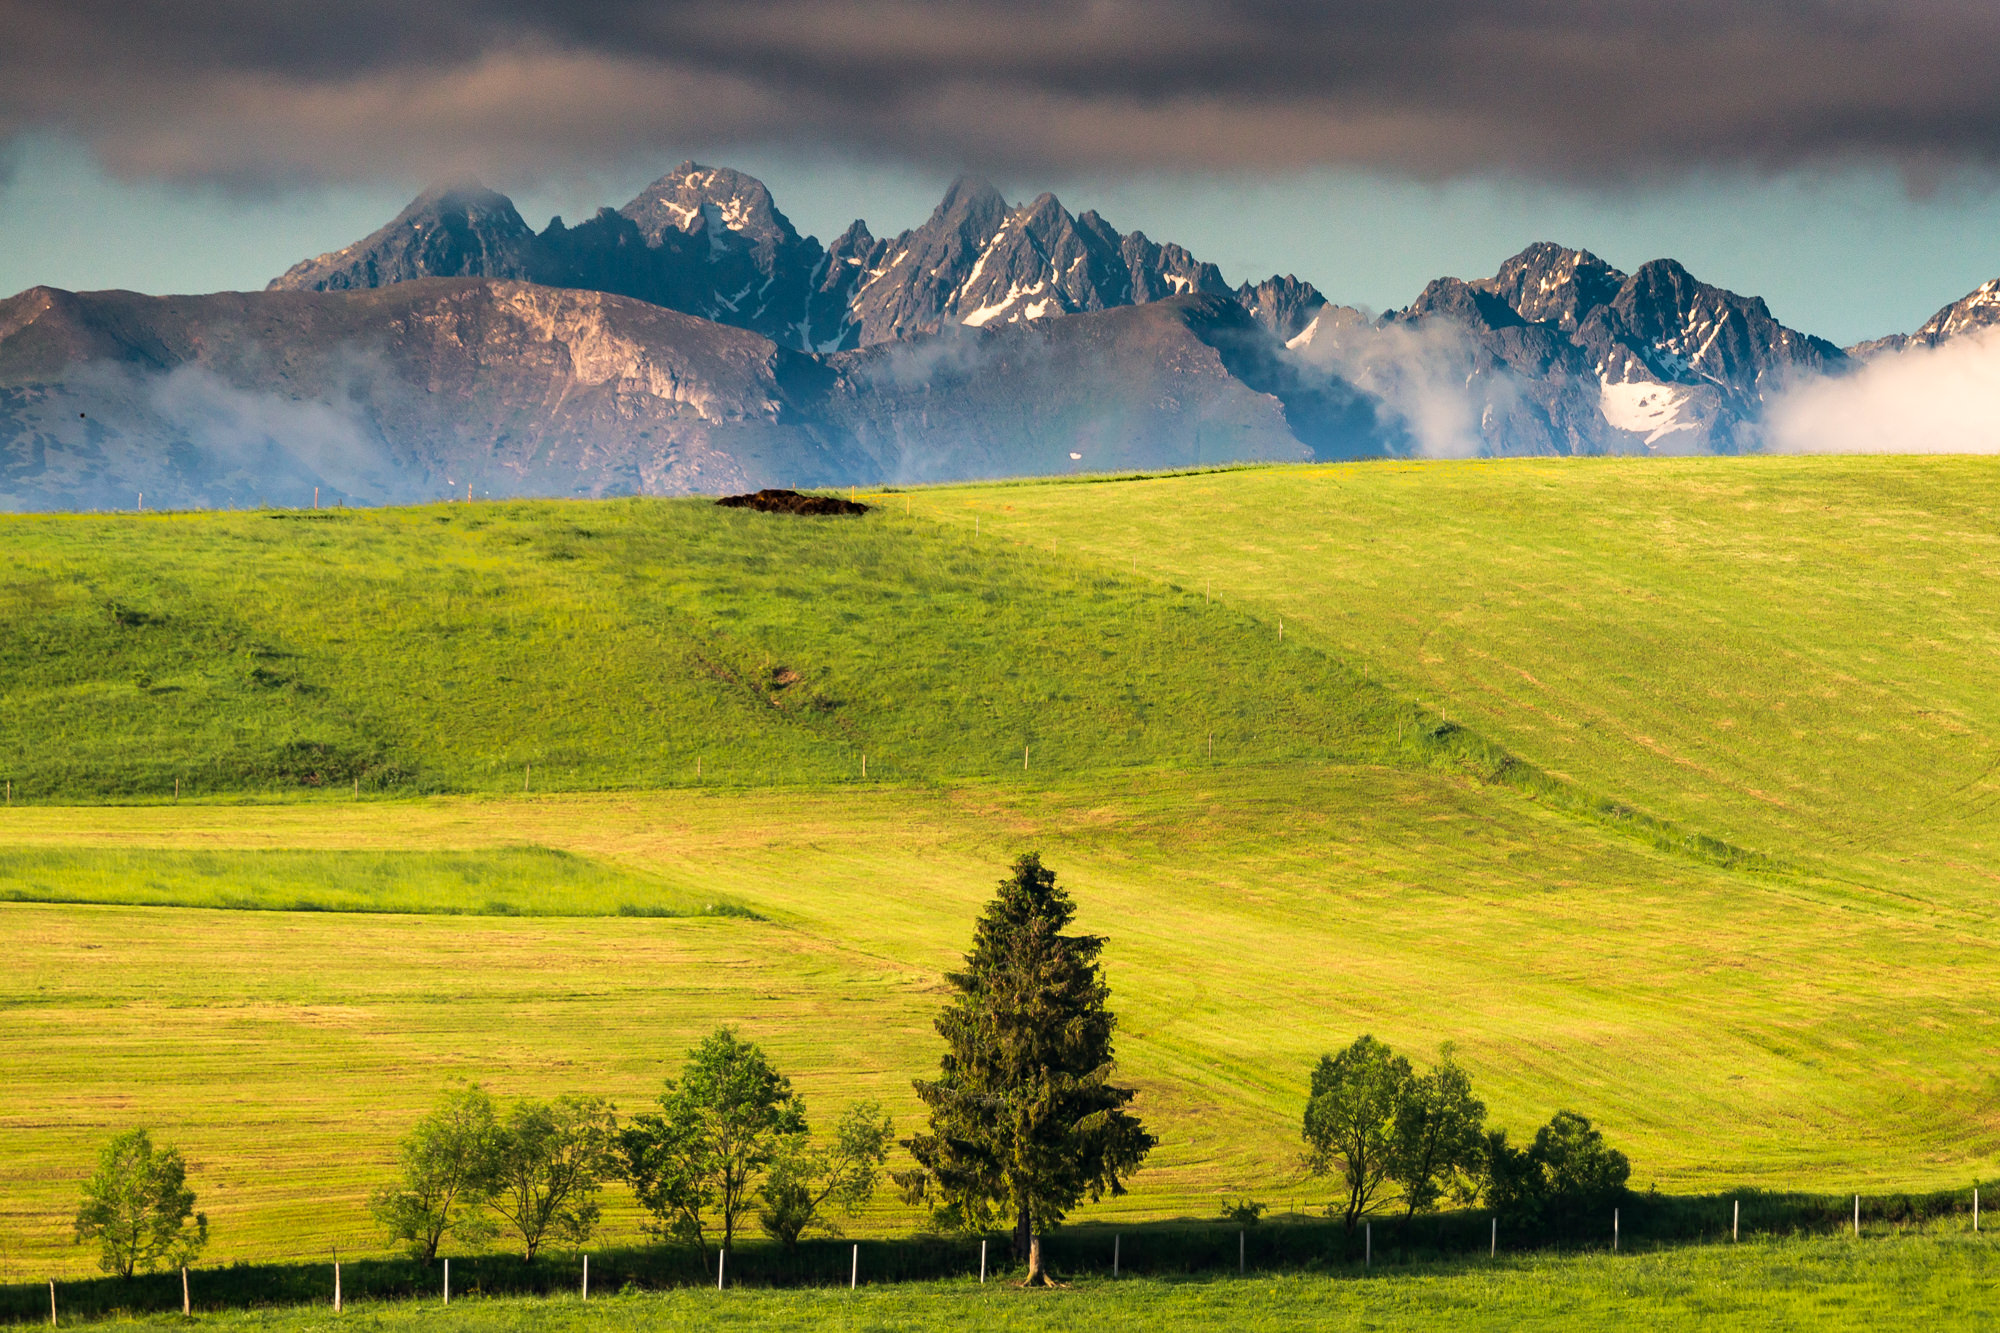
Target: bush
(1563, 1181)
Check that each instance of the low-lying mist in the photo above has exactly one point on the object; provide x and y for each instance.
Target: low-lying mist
(1923, 400)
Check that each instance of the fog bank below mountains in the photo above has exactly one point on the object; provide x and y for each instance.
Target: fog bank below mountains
(1923, 400)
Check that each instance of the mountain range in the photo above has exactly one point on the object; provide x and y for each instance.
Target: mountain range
(694, 341)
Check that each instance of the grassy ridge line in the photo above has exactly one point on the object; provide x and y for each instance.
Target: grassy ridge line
(1788, 654)
(1805, 1284)
(508, 881)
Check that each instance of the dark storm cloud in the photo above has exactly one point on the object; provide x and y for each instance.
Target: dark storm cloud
(1617, 89)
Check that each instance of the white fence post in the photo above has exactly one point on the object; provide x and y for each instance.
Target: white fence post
(854, 1270)
(1493, 1247)
(1368, 1246)
(447, 1282)
(720, 1255)
(586, 1277)
(1614, 1231)
(982, 1261)
(1114, 1252)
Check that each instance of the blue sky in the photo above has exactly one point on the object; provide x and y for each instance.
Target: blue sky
(1846, 255)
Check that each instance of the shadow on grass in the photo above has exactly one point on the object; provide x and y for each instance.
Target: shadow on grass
(1178, 1248)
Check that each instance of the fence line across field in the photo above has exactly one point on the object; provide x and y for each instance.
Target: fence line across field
(1117, 1255)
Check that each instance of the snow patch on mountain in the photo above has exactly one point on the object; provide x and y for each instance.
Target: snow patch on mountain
(1652, 411)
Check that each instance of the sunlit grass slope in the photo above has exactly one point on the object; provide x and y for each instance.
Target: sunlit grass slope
(1725, 1028)
(622, 644)
(1797, 656)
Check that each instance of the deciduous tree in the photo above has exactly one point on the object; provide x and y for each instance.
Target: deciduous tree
(138, 1207)
(1350, 1121)
(807, 1180)
(1567, 1177)
(1024, 1116)
(447, 1162)
(699, 1161)
(1438, 1144)
(549, 1160)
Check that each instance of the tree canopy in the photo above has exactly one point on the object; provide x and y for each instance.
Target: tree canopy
(549, 1160)
(447, 1176)
(138, 1207)
(1024, 1118)
(1438, 1143)
(807, 1179)
(696, 1164)
(1350, 1120)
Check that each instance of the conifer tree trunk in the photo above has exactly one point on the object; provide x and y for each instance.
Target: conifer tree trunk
(1021, 1233)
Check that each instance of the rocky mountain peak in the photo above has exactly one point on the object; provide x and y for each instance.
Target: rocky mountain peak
(1285, 305)
(1977, 309)
(720, 203)
(1547, 283)
(970, 199)
(461, 230)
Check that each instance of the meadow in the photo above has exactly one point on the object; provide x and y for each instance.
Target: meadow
(501, 881)
(1783, 1284)
(1660, 788)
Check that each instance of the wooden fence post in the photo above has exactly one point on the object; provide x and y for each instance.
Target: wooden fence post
(1368, 1245)
(184, 1292)
(1114, 1254)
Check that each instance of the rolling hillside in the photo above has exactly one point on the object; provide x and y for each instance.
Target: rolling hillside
(1786, 656)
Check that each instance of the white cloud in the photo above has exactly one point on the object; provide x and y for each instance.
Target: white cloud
(1943, 400)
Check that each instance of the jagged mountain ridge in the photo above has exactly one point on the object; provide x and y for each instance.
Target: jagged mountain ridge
(712, 242)
(695, 340)
(1976, 311)
(1565, 354)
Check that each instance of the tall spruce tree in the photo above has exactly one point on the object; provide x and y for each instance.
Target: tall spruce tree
(1024, 1119)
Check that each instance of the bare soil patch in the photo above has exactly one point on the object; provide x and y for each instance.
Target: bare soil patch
(770, 501)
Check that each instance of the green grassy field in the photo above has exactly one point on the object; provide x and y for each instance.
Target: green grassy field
(1798, 1284)
(1783, 655)
(1791, 654)
(624, 644)
(502, 881)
